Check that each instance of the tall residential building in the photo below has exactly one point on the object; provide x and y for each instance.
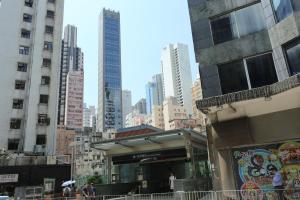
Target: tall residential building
(74, 100)
(249, 55)
(173, 112)
(177, 77)
(89, 113)
(156, 118)
(140, 107)
(197, 95)
(71, 61)
(154, 93)
(126, 104)
(30, 54)
(109, 72)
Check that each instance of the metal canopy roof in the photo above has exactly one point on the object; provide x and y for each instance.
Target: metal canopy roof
(157, 139)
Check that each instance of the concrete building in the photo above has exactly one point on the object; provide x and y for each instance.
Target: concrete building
(89, 114)
(126, 104)
(30, 54)
(177, 77)
(156, 119)
(71, 60)
(64, 140)
(140, 107)
(109, 72)
(74, 100)
(135, 119)
(197, 95)
(87, 161)
(154, 93)
(173, 111)
(249, 56)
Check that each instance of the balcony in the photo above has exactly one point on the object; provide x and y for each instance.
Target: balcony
(261, 92)
(255, 102)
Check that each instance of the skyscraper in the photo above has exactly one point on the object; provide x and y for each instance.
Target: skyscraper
(177, 77)
(154, 93)
(140, 107)
(30, 54)
(126, 104)
(109, 72)
(71, 61)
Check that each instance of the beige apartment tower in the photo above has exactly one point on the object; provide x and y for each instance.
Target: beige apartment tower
(30, 55)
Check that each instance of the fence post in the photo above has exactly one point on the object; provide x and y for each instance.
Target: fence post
(151, 197)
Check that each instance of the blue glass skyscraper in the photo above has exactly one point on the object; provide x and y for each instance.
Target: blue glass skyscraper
(154, 93)
(109, 72)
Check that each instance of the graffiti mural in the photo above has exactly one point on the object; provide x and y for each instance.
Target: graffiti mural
(254, 166)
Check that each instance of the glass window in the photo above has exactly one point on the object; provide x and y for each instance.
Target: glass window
(233, 77)
(24, 50)
(238, 23)
(224, 29)
(27, 17)
(46, 62)
(45, 80)
(20, 85)
(18, 103)
(13, 144)
(293, 55)
(25, 33)
(41, 139)
(49, 29)
(261, 70)
(282, 8)
(48, 46)
(15, 123)
(22, 67)
(44, 99)
(29, 3)
(250, 20)
(50, 14)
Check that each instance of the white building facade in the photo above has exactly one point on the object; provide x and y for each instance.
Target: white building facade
(30, 55)
(126, 104)
(177, 77)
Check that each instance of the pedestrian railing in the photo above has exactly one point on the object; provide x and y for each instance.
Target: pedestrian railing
(199, 195)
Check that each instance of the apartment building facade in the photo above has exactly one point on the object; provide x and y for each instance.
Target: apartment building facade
(177, 76)
(249, 57)
(126, 104)
(30, 63)
(74, 100)
(72, 61)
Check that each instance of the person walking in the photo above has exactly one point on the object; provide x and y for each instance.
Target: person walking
(172, 178)
(278, 184)
(85, 191)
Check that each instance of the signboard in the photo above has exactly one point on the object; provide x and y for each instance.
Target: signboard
(9, 178)
(156, 155)
(253, 166)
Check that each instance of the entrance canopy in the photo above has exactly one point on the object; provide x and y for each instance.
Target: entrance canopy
(169, 143)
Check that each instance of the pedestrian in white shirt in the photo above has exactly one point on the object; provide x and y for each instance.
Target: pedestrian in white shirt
(172, 178)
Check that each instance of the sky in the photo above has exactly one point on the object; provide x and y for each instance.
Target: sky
(147, 26)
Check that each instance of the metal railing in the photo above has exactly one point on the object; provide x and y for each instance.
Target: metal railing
(265, 91)
(198, 195)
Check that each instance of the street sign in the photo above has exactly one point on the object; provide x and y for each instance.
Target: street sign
(9, 178)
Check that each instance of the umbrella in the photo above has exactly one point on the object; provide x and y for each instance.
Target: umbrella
(68, 183)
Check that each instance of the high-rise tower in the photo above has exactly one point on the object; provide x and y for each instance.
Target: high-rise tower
(109, 72)
(72, 69)
(177, 77)
(30, 54)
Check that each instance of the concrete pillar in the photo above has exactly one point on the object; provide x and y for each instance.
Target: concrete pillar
(226, 170)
